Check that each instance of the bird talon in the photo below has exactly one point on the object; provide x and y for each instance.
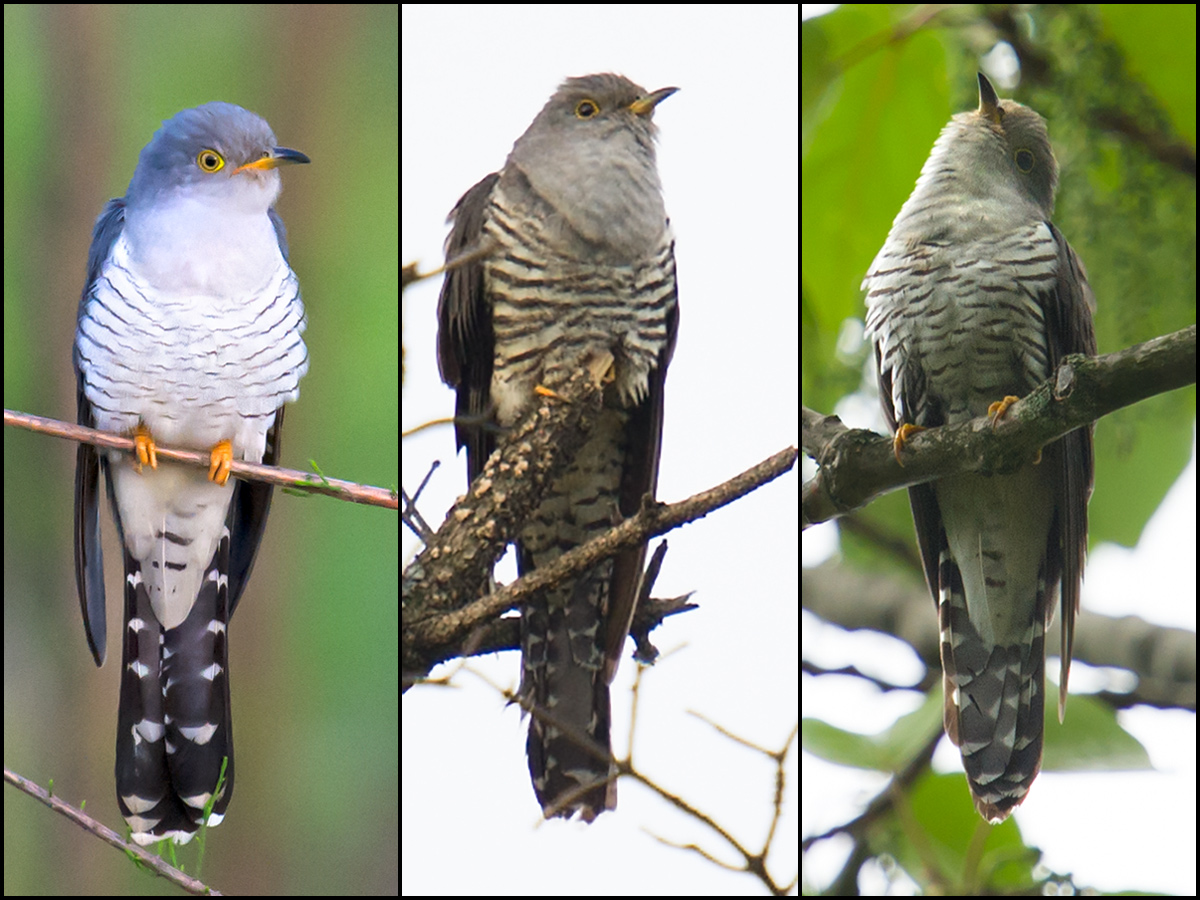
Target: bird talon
(997, 410)
(220, 462)
(145, 448)
(902, 434)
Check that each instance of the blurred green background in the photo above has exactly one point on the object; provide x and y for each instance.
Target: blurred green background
(314, 642)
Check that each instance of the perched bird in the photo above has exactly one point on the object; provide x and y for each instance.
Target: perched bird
(973, 301)
(570, 263)
(188, 334)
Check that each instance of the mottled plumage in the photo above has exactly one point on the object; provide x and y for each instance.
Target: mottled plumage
(976, 296)
(576, 264)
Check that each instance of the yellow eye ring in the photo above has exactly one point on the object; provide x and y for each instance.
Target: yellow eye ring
(587, 109)
(210, 161)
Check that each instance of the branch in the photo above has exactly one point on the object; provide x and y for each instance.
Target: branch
(1162, 657)
(448, 609)
(140, 855)
(307, 482)
(856, 465)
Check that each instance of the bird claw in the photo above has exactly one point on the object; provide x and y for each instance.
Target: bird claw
(902, 434)
(220, 462)
(997, 410)
(145, 448)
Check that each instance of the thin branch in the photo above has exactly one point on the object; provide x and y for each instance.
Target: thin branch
(143, 857)
(308, 482)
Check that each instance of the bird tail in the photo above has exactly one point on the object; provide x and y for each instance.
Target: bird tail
(995, 699)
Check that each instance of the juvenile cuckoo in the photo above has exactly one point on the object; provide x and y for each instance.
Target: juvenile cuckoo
(570, 262)
(974, 300)
(188, 334)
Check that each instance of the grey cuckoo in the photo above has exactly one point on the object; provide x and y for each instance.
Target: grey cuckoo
(571, 260)
(974, 300)
(189, 335)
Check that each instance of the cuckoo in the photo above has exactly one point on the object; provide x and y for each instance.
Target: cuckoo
(188, 334)
(567, 260)
(973, 301)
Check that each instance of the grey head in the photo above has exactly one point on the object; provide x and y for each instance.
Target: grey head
(589, 158)
(198, 210)
(219, 150)
(995, 161)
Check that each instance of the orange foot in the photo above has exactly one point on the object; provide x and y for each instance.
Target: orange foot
(144, 447)
(997, 410)
(220, 462)
(902, 434)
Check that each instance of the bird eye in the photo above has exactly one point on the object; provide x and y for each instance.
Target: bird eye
(587, 109)
(210, 161)
(1024, 161)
